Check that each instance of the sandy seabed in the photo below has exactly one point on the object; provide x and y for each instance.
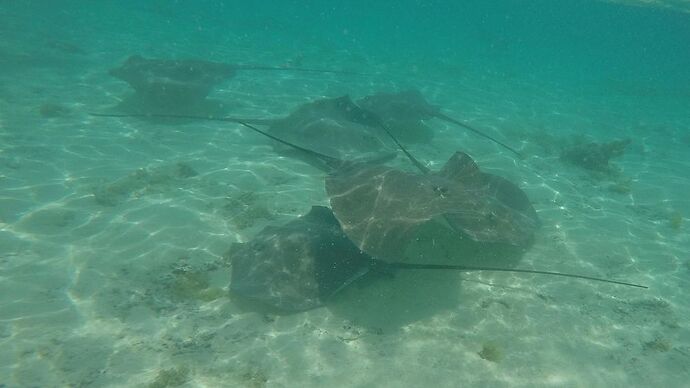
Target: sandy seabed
(114, 235)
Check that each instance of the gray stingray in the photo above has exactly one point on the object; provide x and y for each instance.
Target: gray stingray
(339, 126)
(177, 81)
(406, 108)
(335, 126)
(328, 123)
(172, 85)
(300, 265)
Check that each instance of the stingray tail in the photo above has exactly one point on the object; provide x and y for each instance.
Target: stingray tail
(329, 161)
(478, 132)
(189, 117)
(373, 116)
(400, 265)
(298, 69)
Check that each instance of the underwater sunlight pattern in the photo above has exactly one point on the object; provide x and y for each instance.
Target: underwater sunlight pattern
(344, 194)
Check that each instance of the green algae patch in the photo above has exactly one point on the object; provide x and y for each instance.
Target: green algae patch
(173, 377)
(491, 352)
(675, 220)
(194, 285)
(657, 345)
(621, 186)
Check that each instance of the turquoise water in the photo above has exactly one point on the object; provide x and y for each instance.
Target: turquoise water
(115, 232)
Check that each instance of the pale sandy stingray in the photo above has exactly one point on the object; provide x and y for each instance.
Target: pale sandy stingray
(407, 109)
(300, 265)
(381, 207)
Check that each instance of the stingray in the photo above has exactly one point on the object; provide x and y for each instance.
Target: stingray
(334, 126)
(170, 85)
(298, 265)
(380, 207)
(176, 81)
(338, 126)
(409, 108)
(302, 264)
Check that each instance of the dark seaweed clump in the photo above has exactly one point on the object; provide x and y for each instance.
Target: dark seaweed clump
(594, 156)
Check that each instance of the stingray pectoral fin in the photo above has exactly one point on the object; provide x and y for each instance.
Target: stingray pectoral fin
(361, 272)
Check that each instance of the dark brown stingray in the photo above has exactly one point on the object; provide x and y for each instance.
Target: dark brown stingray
(300, 265)
(297, 266)
(401, 109)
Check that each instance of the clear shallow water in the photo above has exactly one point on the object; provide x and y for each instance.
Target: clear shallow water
(112, 269)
